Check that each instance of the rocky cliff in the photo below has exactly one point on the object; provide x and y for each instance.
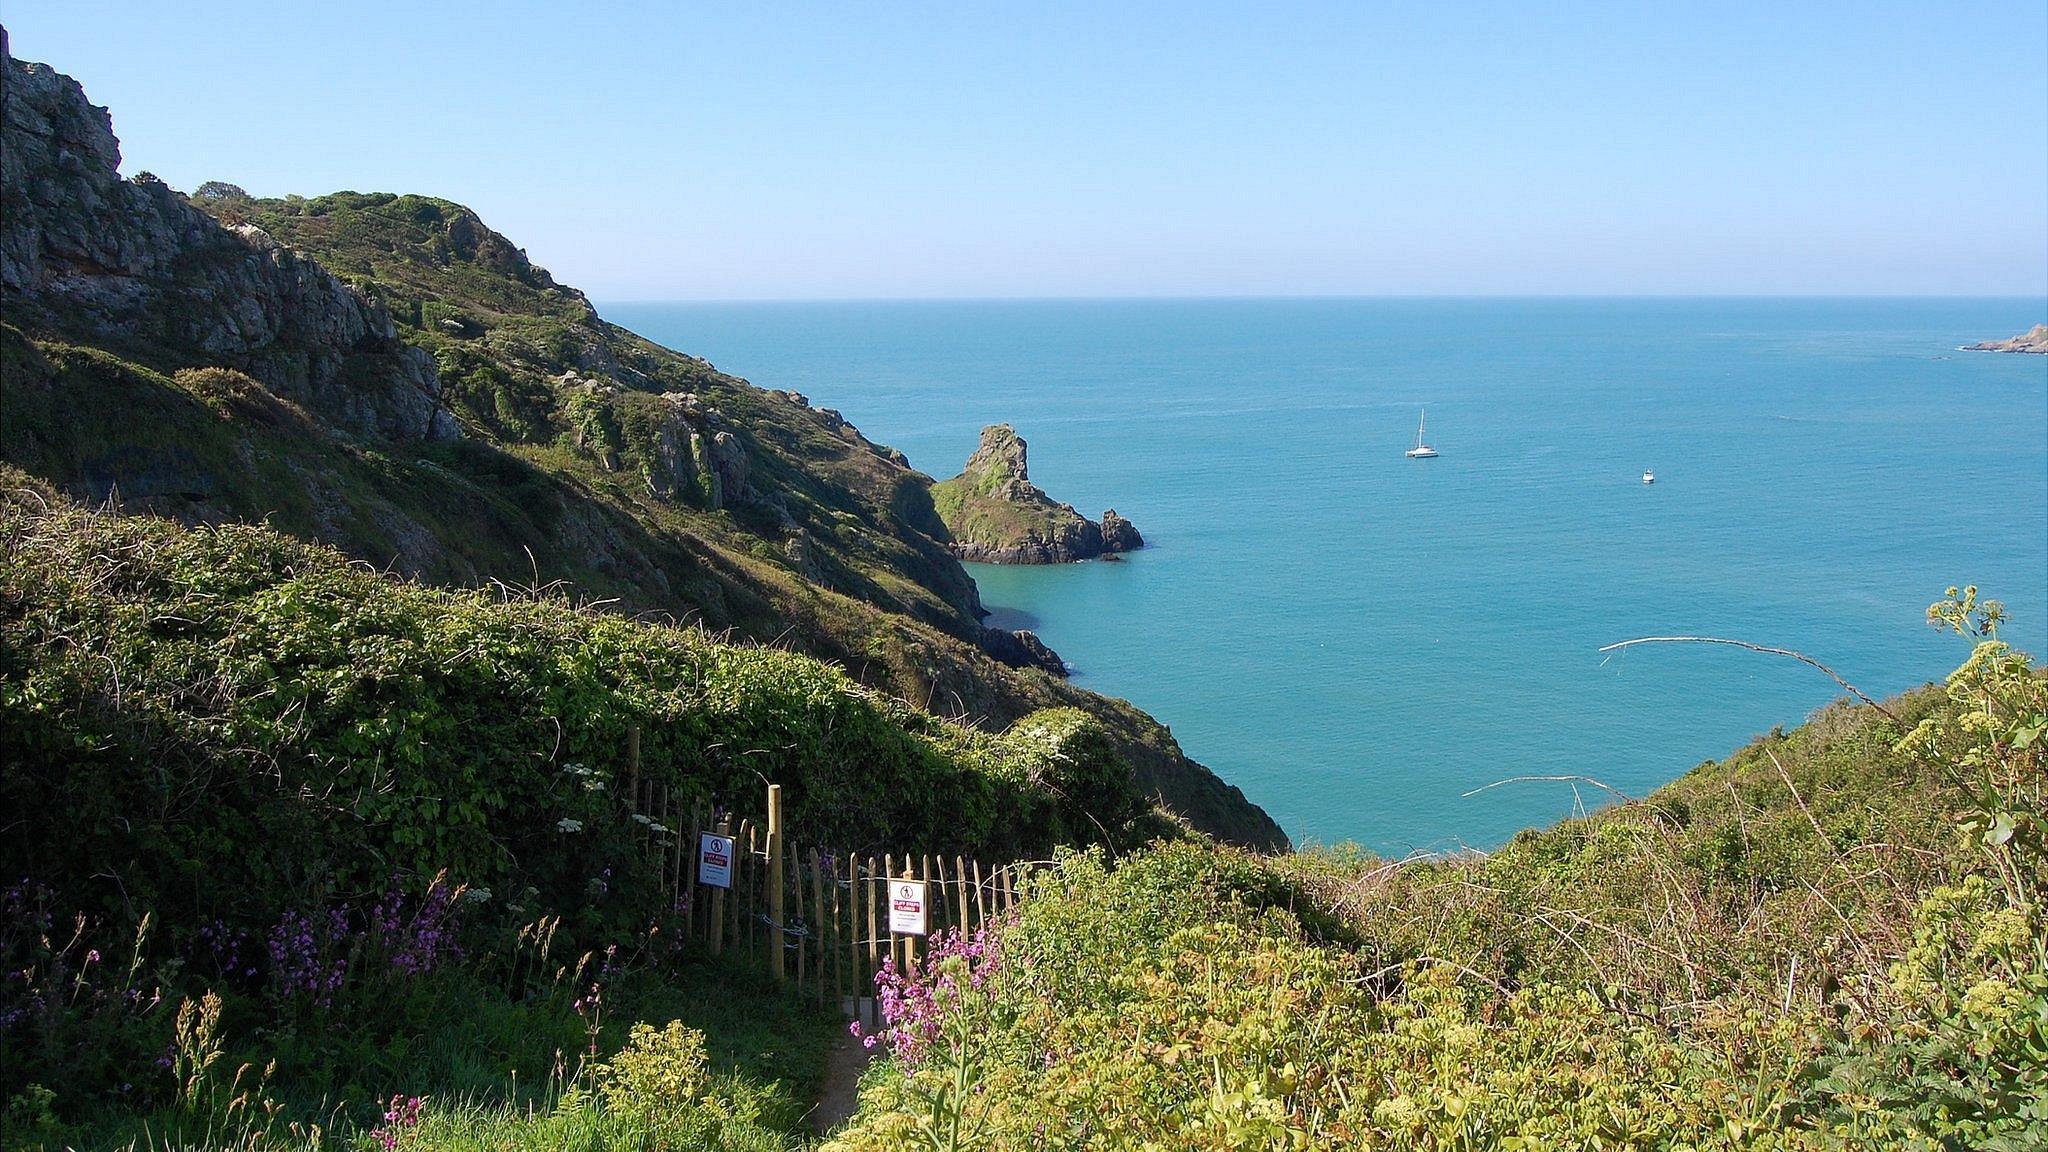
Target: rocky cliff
(130, 262)
(997, 516)
(2035, 339)
(388, 375)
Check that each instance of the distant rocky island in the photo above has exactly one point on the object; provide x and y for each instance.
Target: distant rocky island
(2035, 340)
(997, 516)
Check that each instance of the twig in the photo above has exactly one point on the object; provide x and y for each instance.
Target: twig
(1553, 779)
(1391, 968)
(1768, 651)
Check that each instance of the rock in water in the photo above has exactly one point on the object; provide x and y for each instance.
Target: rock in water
(2035, 340)
(997, 516)
(1119, 534)
(1022, 650)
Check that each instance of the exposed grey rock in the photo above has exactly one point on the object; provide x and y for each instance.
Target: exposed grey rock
(2034, 340)
(86, 253)
(1022, 649)
(1119, 534)
(725, 460)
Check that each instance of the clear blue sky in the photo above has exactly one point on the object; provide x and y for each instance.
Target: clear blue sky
(867, 150)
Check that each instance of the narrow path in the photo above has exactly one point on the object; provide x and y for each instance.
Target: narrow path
(841, 1095)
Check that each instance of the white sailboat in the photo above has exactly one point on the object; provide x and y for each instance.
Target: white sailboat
(1649, 477)
(1421, 451)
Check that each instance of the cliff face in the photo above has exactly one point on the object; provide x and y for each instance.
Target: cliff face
(390, 376)
(87, 253)
(997, 516)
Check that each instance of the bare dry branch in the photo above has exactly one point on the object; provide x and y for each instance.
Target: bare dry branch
(1803, 658)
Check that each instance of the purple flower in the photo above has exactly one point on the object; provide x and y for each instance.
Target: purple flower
(916, 1001)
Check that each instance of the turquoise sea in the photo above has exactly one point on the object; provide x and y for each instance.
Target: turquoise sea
(1359, 640)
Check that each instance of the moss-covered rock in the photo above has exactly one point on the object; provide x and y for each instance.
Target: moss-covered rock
(997, 516)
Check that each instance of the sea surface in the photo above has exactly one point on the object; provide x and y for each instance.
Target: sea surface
(1383, 650)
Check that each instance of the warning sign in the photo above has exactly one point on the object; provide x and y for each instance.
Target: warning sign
(906, 907)
(714, 861)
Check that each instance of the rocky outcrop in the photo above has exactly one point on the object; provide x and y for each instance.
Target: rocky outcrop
(89, 255)
(1022, 649)
(697, 448)
(2034, 340)
(997, 516)
(1119, 534)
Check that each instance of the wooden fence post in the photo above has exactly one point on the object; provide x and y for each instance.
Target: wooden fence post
(718, 899)
(910, 942)
(960, 878)
(849, 963)
(690, 846)
(775, 961)
(797, 879)
(888, 874)
(874, 948)
(818, 921)
(748, 895)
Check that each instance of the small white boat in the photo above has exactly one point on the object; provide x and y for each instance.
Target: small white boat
(1421, 451)
(1649, 477)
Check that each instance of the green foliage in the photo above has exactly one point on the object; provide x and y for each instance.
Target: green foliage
(250, 737)
(1778, 951)
(482, 392)
(210, 680)
(659, 1095)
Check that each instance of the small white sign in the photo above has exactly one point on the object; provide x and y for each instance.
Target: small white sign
(906, 907)
(714, 861)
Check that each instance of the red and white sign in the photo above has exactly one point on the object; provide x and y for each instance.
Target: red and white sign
(906, 907)
(714, 861)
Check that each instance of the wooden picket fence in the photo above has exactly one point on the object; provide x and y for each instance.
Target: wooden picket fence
(817, 920)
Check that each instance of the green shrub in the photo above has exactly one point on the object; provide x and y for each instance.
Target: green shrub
(1779, 951)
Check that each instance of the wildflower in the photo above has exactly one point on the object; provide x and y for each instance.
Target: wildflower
(916, 1000)
(565, 824)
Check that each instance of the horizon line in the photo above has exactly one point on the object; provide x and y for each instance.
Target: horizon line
(2032, 298)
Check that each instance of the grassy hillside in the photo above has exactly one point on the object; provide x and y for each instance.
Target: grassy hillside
(342, 803)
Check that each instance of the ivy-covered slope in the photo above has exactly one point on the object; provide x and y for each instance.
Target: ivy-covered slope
(387, 375)
(209, 722)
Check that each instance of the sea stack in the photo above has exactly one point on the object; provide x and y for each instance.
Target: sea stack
(997, 516)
